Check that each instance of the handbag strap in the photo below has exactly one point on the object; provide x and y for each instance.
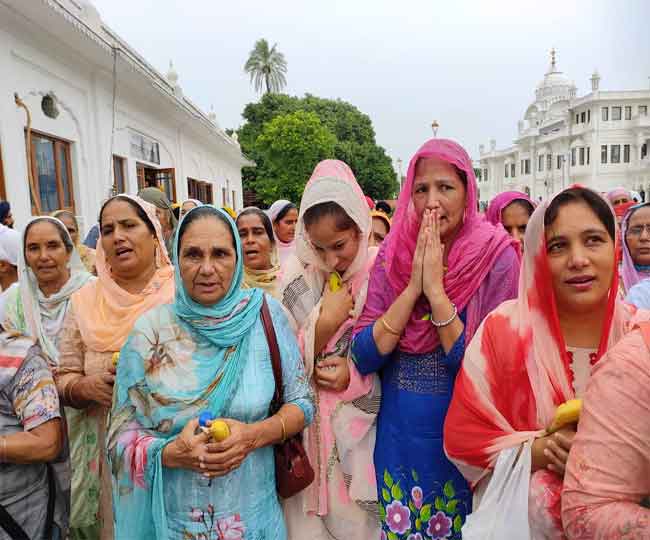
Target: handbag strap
(9, 525)
(272, 340)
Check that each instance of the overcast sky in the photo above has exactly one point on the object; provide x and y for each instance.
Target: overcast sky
(471, 65)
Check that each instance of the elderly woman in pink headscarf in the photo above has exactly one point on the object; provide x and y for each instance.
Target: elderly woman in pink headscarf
(325, 290)
(513, 210)
(619, 195)
(439, 272)
(635, 269)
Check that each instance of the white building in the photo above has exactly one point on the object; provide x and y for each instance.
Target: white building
(601, 140)
(103, 120)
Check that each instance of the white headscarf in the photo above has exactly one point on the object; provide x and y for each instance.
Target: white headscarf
(195, 201)
(9, 245)
(44, 315)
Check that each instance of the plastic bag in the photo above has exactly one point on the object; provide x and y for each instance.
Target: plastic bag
(503, 511)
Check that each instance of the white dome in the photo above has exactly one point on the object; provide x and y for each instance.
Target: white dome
(172, 75)
(555, 86)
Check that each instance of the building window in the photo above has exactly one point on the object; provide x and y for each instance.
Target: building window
(573, 157)
(615, 153)
(224, 197)
(577, 118)
(513, 170)
(119, 178)
(588, 115)
(52, 173)
(507, 169)
(144, 148)
(559, 161)
(643, 110)
(540, 163)
(549, 162)
(234, 200)
(587, 155)
(603, 153)
(644, 150)
(583, 117)
(582, 156)
(616, 113)
(626, 153)
(521, 170)
(527, 166)
(196, 189)
(628, 113)
(605, 114)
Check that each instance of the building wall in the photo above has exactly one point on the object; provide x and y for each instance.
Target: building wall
(39, 63)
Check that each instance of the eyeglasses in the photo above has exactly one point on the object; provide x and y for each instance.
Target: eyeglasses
(637, 230)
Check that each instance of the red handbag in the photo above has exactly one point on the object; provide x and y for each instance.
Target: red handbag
(293, 472)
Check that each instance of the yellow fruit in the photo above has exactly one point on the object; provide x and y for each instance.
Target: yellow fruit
(567, 413)
(335, 281)
(116, 358)
(219, 430)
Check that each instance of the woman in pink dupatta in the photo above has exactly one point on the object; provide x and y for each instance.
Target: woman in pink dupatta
(332, 235)
(528, 357)
(512, 209)
(416, 279)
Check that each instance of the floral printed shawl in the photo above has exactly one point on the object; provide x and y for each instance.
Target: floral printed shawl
(342, 424)
(205, 385)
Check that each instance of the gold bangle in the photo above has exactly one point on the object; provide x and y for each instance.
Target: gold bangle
(389, 328)
(67, 393)
(284, 428)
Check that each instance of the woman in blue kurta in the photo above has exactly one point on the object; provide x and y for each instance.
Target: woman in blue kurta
(205, 352)
(439, 272)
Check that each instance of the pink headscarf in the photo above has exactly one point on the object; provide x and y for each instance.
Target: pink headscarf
(473, 253)
(503, 200)
(630, 273)
(617, 193)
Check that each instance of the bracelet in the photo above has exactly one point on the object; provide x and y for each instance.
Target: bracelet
(284, 428)
(67, 393)
(389, 328)
(442, 324)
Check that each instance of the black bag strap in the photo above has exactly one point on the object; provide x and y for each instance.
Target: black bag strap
(14, 530)
(271, 338)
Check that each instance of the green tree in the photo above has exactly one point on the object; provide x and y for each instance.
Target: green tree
(267, 67)
(355, 136)
(289, 148)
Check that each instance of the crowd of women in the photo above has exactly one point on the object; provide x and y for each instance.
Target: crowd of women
(419, 360)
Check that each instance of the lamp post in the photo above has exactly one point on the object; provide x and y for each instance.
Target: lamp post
(434, 128)
(399, 172)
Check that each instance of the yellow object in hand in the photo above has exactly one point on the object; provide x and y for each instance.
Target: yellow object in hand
(116, 358)
(219, 430)
(567, 413)
(335, 281)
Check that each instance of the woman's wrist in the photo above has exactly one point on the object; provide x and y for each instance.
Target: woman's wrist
(411, 294)
(170, 455)
(74, 393)
(437, 298)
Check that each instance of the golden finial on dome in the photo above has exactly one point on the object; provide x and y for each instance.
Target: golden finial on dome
(553, 59)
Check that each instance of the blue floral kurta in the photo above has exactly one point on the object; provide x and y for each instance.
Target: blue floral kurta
(422, 495)
(163, 362)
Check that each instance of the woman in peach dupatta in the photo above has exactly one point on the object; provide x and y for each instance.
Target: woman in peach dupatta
(332, 236)
(134, 274)
(529, 356)
(607, 482)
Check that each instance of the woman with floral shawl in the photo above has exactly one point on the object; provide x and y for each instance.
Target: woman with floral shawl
(332, 235)
(134, 275)
(425, 301)
(207, 351)
(635, 269)
(528, 357)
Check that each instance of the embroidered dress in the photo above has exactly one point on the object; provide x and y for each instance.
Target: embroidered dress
(422, 496)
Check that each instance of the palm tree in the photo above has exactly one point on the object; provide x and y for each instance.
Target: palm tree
(267, 67)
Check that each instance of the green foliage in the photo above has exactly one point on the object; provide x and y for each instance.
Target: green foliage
(267, 67)
(354, 143)
(290, 146)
